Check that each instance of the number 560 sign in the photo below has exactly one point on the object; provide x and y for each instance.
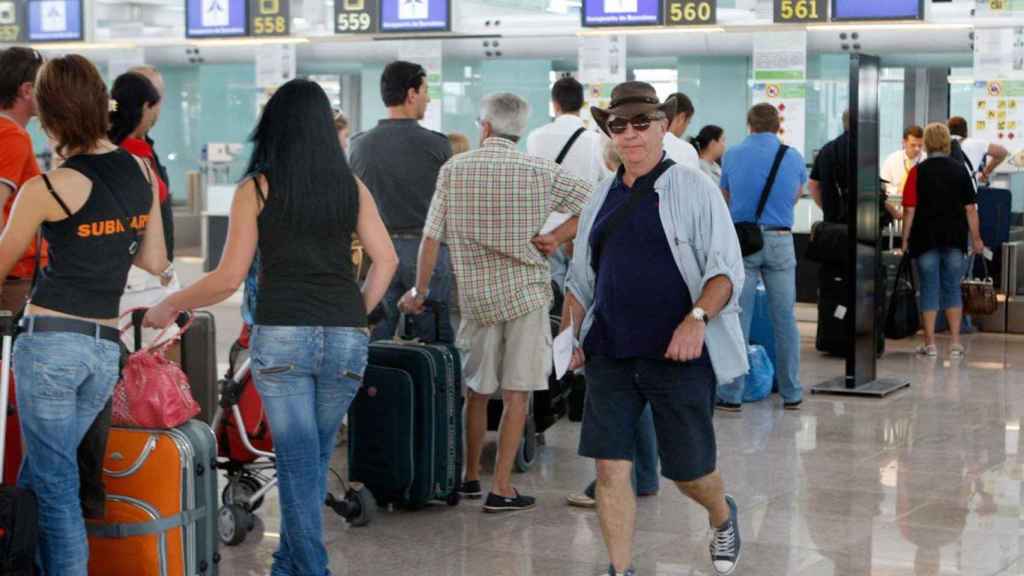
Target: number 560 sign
(800, 11)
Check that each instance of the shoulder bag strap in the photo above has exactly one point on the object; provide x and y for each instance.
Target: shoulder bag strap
(620, 215)
(771, 181)
(568, 145)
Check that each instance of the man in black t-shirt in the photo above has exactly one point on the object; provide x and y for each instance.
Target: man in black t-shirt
(829, 176)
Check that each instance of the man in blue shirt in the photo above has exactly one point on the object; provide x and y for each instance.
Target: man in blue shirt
(745, 171)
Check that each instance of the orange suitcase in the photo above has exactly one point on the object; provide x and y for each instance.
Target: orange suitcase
(161, 504)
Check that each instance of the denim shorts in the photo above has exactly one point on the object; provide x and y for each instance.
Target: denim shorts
(939, 272)
(682, 398)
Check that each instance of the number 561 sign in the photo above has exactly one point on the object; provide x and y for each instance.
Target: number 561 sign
(795, 11)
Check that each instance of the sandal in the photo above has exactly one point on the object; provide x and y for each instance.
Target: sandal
(929, 351)
(956, 352)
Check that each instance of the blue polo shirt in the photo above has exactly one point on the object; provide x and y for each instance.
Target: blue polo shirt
(745, 170)
(640, 296)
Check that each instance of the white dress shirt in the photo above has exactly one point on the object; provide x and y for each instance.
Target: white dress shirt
(895, 170)
(681, 151)
(586, 157)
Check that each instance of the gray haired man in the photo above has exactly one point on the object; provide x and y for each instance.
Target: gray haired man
(489, 207)
(654, 290)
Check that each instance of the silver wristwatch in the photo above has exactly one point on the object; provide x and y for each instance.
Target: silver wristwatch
(699, 314)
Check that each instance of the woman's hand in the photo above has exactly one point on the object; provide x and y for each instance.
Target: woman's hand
(160, 316)
(978, 247)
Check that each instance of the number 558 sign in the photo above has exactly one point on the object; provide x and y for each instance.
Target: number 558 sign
(796, 11)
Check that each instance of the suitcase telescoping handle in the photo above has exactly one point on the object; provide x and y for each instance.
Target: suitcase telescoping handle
(139, 313)
(7, 332)
(432, 307)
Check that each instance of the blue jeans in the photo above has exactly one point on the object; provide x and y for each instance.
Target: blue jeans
(939, 272)
(440, 291)
(645, 466)
(64, 381)
(776, 265)
(307, 377)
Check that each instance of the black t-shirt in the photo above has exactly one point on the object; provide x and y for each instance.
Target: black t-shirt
(830, 169)
(938, 189)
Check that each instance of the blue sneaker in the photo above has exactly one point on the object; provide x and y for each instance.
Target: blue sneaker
(725, 545)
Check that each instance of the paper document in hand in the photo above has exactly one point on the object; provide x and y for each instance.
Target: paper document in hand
(555, 220)
(562, 348)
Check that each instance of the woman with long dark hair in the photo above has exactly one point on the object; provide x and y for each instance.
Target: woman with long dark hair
(299, 206)
(100, 213)
(710, 145)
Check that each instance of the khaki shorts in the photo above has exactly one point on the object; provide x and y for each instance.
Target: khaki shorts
(514, 355)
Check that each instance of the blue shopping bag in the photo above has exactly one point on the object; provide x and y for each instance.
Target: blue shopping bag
(761, 376)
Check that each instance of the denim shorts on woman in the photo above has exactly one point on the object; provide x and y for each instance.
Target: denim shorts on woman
(939, 273)
(682, 398)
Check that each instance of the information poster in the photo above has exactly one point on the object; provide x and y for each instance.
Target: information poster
(122, 61)
(998, 7)
(415, 15)
(12, 21)
(215, 18)
(790, 99)
(621, 12)
(602, 66)
(780, 74)
(270, 18)
(428, 53)
(999, 53)
(999, 112)
(54, 20)
(355, 16)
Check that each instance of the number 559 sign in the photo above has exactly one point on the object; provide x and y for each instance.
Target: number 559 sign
(796, 11)
(355, 16)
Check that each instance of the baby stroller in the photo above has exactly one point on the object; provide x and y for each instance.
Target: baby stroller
(246, 453)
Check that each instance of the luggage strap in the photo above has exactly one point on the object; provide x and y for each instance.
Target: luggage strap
(131, 530)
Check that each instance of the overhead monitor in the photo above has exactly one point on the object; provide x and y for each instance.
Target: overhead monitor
(877, 9)
(216, 18)
(621, 12)
(55, 20)
(415, 15)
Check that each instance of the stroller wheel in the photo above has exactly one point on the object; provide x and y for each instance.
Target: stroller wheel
(233, 524)
(239, 489)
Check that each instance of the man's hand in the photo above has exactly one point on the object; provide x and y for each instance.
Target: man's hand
(687, 341)
(410, 304)
(546, 243)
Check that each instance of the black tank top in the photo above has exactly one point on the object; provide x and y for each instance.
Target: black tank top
(306, 277)
(89, 251)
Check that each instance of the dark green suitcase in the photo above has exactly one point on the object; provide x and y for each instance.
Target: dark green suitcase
(405, 425)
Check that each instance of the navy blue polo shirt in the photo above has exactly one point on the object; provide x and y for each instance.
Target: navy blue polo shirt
(640, 296)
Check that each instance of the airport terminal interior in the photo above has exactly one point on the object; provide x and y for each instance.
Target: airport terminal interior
(922, 480)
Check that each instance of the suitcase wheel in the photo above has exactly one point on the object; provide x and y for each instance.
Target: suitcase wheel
(358, 508)
(238, 491)
(234, 524)
(453, 499)
(527, 452)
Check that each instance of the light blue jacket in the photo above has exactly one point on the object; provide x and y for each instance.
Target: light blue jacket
(704, 244)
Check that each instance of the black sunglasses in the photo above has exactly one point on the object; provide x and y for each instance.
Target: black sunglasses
(640, 123)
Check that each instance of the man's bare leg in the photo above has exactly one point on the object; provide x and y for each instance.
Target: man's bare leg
(510, 434)
(476, 432)
(709, 492)
(616, 507)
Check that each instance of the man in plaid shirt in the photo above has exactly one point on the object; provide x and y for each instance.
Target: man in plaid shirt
(489, 207)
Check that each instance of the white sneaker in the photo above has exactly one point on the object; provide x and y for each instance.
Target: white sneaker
(581, 500)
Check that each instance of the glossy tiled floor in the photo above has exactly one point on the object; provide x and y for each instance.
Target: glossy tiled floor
(926, 482)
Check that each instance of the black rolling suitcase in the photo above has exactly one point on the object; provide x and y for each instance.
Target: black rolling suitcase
(19, 515)
(405, 424)
(198, 349)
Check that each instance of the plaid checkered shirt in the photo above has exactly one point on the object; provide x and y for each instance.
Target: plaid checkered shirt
(488, 205)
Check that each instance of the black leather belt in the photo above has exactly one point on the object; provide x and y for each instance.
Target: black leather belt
(30, 324)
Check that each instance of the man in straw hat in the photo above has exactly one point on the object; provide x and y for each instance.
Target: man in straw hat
(653, 293)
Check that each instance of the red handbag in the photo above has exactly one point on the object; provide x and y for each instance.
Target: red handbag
(153, 391)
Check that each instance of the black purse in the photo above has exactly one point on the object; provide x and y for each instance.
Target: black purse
(749, 233)
(902, 318)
